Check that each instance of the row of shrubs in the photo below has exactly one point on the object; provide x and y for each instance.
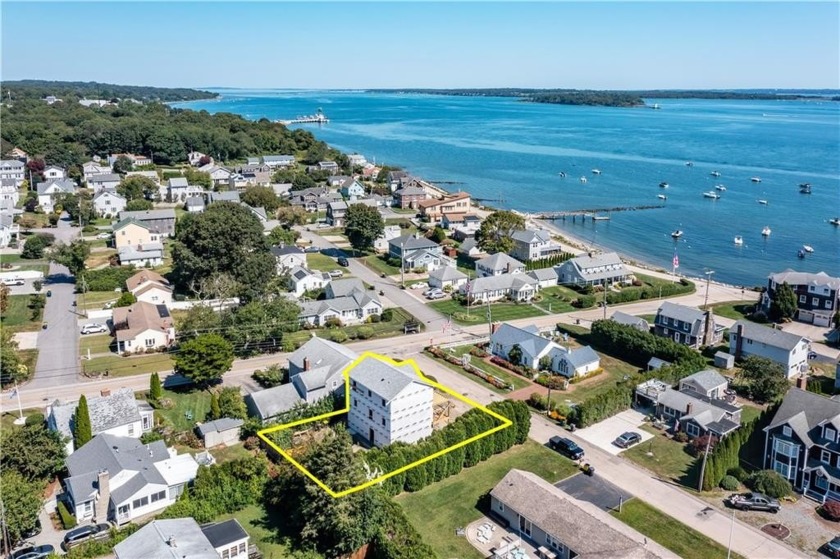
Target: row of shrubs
(518, 369)
(454, 360)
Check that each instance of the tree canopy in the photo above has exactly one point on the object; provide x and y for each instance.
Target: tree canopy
(496, 231)
(261, 197)
(21, 504)
(784, 303)
(764, 380)
(363, 225)
(33, 451)
(73, 255)
(204, 359)
(138, 187)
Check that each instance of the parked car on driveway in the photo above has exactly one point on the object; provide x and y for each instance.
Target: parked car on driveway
(312, 248)
(628, 439)
(566, 447)
(343, 261)
(832, 548)
(419, 285)
(436, 295)
(336, 274)
(12, 281)
(432, 291)
(94, 328)
(753, 501)
(86, 533)
(37, 552)
(103, 236)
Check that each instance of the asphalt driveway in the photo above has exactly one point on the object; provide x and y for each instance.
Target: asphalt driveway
(595, 490)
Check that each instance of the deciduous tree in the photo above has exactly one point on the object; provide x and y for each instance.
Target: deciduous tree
(364, 224)
(33, 451)
(126, 300)
(122, 164)
(21, 504)
(765, 379)
(261, 197)
(496, 231)
(292, 215)
(784, 303)
(73, 255)
(138, 187)
(204, 359)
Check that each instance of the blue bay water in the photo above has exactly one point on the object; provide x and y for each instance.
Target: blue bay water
(510, 153)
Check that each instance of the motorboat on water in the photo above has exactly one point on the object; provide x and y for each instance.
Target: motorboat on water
(739, 240)
(582, 179)
(801, 253)
(766, 231)
(562, 175)
(715, 173)
(689, 164)
(755, 179)
(712, 195)
(677, 234)
(805, 188)
(661, 196)
(808, 248)
(763, 202)
(596, 171)
(664, 184)
(835, 221)
(720, 187)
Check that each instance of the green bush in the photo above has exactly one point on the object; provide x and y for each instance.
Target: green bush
(106, 279)
(67, 519)
(584, 302)
(374, 318)
(364, 333)
(770, 483)
(35, 419)
(738, 473)
(333, 322)
(387, 315)
(339, 336)
(730, 483)
(89, 228)
(681, 437)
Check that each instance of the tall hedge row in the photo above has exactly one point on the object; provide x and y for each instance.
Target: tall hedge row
(637, 347)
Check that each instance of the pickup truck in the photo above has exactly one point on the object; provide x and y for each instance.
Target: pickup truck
(753, 501)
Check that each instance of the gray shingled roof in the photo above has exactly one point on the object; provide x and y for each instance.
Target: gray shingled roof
(178, 182)
(677, 400)
(274, 401)
(448, 273)
(804, 411)
(500, 282)
(412, 242)
(499, 261)
(106, 412)
(287, 249)
(568, 520)
(224, 533)
(219, 425)
(150, 541)
(690, 315)
(64, 185)
(543, 274)
(706, 379)
(345, 287)
(530, 236)
(145, 215)
(582, 356)
(107, 177)
(383, 379)
(629, 319)
(766, 335)
(322, 353)
(792, 277)
(530, 342)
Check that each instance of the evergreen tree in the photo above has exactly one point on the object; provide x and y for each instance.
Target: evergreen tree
(215, 408)
(784, 303)
(155, 389)
(81, 424)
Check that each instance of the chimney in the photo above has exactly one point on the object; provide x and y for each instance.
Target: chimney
(494, 327)
(306, 365)
(802, 382)
(105, 392)
(100, 512)
(709, 329)
(739, 341)
(507, 268)
(688, 407)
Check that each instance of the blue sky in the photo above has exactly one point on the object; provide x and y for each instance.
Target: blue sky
(385, 44)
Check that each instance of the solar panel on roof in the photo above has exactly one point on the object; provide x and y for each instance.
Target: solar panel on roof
(163, 311)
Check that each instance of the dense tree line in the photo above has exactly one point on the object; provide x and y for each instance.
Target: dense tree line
(637, 347)
(67, 91)
(68, 134)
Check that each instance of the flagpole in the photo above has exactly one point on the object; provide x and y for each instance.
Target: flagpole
(21, 420)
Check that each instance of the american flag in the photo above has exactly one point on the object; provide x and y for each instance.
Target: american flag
(676, 261)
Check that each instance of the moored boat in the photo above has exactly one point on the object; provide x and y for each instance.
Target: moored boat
(763, 202)
(766, 231)
(715, 173)
(677, 234)
(582, 179)
(835, 221)
(805, 188)
(596, 171)
(664, 184)
(712, 195)
(720, 187)
(689, 164)
(755, 179)
(739, 240)
(800, 253)
(808, 248)
(661, 196)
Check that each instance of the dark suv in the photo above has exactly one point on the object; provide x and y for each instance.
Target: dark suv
(566, 447)
(85, 533)
(342, 261)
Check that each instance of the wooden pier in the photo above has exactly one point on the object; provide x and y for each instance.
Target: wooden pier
(314, 119)
(592, 213)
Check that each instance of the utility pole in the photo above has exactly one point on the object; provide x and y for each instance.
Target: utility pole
(489, 318)
(605, 300)
(708, 281)
(705, 456)
(402, 264)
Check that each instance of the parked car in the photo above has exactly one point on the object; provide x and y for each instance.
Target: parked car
(103, 236)
(432, 291)
(312, 248)
(86, 533)
(36, 552)
(436, 295)
(336, 274)
(566, 447)
(832, 548)
(628, 439)
(419, 285)
(13, 281)
(753, 501)
(343, 261)
(94, 328)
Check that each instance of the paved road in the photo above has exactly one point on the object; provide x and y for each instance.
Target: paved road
(58, 344)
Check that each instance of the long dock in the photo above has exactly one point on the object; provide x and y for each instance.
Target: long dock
(316, 119)
(592, 213)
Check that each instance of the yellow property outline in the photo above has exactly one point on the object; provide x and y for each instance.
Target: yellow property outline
(505, 423)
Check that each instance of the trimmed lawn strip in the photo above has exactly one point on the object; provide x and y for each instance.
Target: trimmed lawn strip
(378, 265)
(267, 530)
(736, 310)
(669, 460)
(670, 533)
(437, 510)
(517, 381)
(614, 371)
(96, 343)
(195, 402)
(380, 329)
(119, 366)
(229, 453)
(320, 262)
(95, 299)
(501, 312)
(18, 315)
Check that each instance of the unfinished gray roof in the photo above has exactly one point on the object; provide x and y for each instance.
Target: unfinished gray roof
(195, 202)
(448, 273)
(188, 541)
(383, 379)
(804, 411)
(792, 277)
(219, 425)
(682, 313)
(224, 196)
(629, 320)
(587, 531)
(500, 261)
(766, 335)
(106, 177)
(706, 380)
(274, 401)
(106, 412)
(530, 236)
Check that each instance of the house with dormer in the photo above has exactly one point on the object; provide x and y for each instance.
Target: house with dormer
(515, 287)
(416, 252)
(817, 295)
(594, 269)
(143, 327)
(788, 350)
(302, 280)
(498, 264)
(802, 443)
(346, 300)
(687, 325)
(533, 244)
(49, 191)
(150, 287)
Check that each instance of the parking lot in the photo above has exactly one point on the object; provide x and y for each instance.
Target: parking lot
(604, 433)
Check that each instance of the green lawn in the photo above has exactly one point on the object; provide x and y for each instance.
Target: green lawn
(267, 530)
(376, 263)
(16, 259)
(195, 402)
(517, 381)
(380, 329)
(557, 299)
(228, 453)
(95, 299)
(500, 312)
(736, 310)
(18, 315)
(119, 366)
(614, 371)
(669, 533)
(668, 460)
(321, 262)
(96, 343)
(437, 510)
(748, 413)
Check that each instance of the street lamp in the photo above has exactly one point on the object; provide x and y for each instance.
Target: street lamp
(708, 281)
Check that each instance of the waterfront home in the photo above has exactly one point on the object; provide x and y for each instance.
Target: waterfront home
(545, 277)
(417, 252)
(130, 232)
(636, 322)
(466, 224)
(788, 350)
(273, 161)
(150, 287)
(801, 443)
(9, 190)
(497, 265)
(530, 244)
(150, 254)
(561, 526)
(516, 287)
(48, 192)
(817, 295)
(136, 160)
(143, 327)
(302, 280)
(13, 169)
(194, 204)
(409, 196)
(183, 537)
(532, 346)
(107, 203)
(93, 168)
(435, 209)
(447, 276)
(350, 187)
(687, 325)
(594, 269)
(161, 222)
(116, 413)
(389, 403)
(118, 479)
(54, 172)
(395, 178)
(346, 300)
(694, 408)
(287, 257)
